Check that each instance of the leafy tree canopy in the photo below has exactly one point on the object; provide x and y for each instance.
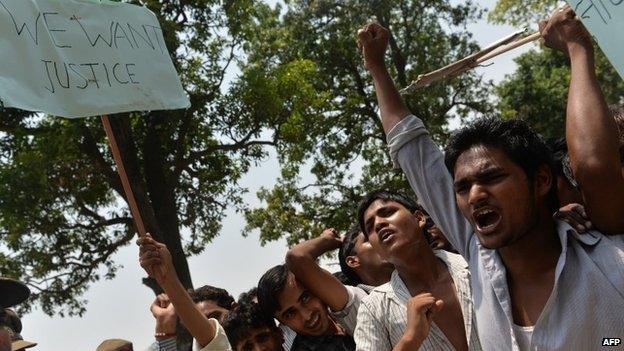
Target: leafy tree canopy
(537, 91)
(341, 153)
(62, 209)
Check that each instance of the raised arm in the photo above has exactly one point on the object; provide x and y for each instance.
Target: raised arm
(301, 261)
(411, 147)
(373, 41)
(591, 131)
(155, 258)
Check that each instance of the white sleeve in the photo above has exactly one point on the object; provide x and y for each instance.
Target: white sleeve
(422, 161)
(219, 342)
(348, 316)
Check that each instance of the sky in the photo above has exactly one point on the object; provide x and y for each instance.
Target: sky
(119, 308)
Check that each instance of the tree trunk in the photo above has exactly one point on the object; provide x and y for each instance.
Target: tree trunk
(157, 224)
(162, 194)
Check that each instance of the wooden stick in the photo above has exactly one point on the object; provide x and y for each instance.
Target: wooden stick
(500, 47)
(503, 49)
(134, 208)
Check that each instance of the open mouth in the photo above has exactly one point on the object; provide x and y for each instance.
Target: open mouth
(486, 220)
(313, 323)
(385, 235)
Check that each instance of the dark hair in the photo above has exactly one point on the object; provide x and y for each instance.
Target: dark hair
(561, 161)
(514, 137)
(248, 296)
(618, 115)
(384, 195)
(271, 284)
(13, 321)
(246, 317)
(210, 293)
(346, 250)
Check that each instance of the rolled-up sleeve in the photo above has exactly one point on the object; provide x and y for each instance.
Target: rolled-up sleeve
(422, 161)
(219, 342)
(348, 316)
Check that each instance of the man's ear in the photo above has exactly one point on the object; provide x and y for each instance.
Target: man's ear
(420, 218)
(543, 180)
(353, 261)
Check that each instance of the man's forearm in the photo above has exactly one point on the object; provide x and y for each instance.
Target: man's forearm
(593, 144)
(301, 261)
(407, 343)
(313, 248)
(391, 105)
(591, 131)
(197, 324)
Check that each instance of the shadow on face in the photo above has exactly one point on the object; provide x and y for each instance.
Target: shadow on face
(367, 262)
(261, 339)
(211, 309)
(301, 311)
(496, 196)
(5, 340)
(393, 231)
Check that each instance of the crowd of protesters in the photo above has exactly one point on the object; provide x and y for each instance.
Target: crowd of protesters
(515, 243)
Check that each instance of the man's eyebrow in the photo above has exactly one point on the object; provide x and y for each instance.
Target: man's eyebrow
(485, 172)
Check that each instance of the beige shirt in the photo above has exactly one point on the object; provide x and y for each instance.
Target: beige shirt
(382, 318)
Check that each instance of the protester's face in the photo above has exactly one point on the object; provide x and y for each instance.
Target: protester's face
(438, 240)
(261, 339)
(494, 194)
(211, 309)
(368, 258)
(5, 340)
(392, 229)
(301, 311)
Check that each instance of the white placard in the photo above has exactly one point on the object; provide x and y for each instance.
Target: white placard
(605, 20)
(77, 58)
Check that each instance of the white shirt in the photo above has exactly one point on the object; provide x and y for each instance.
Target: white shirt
(219, 342)
(587, 300)
(383, 315)
(523, 336)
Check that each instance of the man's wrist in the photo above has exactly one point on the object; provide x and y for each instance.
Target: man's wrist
(377, 68)
(580, 49)
(411, 341)
(166, 326)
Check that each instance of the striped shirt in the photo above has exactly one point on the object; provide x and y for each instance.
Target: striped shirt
(382, 319)
(587, 300)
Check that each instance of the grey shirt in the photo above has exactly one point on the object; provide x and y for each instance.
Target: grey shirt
(587, 301)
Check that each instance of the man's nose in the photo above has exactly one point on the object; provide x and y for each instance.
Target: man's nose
(307, 314)
(380, 223)
(478, 194)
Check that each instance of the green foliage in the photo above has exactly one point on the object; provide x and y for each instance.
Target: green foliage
(340, 151)
(522, 12)
(537, 91)
(62, 210)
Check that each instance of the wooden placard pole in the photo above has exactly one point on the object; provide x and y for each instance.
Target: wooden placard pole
(454, 69)
(134, 208)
